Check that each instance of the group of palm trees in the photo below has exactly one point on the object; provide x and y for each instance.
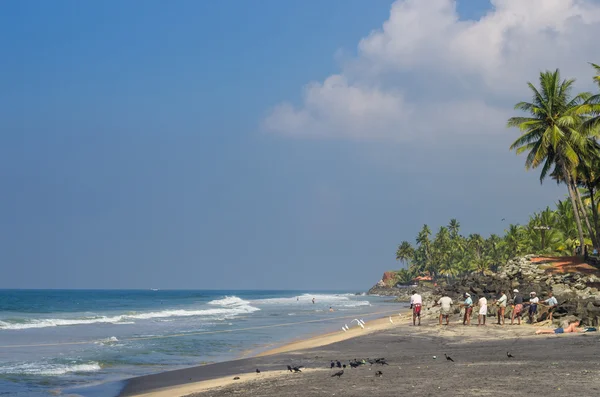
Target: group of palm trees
(561, 135)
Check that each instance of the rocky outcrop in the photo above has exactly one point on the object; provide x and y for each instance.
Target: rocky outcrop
(577, 293)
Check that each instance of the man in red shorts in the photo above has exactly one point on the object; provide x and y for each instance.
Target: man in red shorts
(468, 305)
(416, 301)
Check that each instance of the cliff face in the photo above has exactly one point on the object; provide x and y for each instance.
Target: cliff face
(385, 286)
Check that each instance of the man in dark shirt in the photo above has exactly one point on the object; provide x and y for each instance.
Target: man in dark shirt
(517, 307)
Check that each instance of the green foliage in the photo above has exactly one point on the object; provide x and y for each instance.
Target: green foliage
(449, 254)
(560, 135)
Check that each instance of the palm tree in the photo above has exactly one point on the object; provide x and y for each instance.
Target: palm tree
(514, 240)
(494, 247)
(592, 105)
(551, 136)
(405, 253)
(454, 227)
(423, 252)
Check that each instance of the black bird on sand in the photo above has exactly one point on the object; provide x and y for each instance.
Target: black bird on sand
(448, 357)
(257, 371)
(332, 365)
(378, 374)
(236, 378)
(290, 368)
(338, 374)
(297, 369)
(509, 355)
(338, 364)
(354, 364)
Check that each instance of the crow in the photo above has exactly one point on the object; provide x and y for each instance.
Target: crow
(503, 219)
(236, 378)
(509, 355)
(448, 357)
(332, 365)
(297, 369)
(354, 364)
(378, 374)
(338, 374)
(338, 364)
(257, 371)
(290, 368)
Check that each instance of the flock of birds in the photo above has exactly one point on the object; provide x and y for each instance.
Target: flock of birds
(355, 364)
(361, 323)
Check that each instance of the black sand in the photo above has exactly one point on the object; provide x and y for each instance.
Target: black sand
(543, 365)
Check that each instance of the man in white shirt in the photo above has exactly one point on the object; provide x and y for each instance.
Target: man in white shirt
(533, 303)
(552, 304)
(416, 301)
(482, 310)
(446, 308)
(501, 303)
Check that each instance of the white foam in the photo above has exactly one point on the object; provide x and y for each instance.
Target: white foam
(49, 369)
(337, 300)
(232, 306)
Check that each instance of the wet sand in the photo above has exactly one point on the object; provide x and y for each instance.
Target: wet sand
(548, 365)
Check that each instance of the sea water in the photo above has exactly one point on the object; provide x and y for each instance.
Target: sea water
(60, 341)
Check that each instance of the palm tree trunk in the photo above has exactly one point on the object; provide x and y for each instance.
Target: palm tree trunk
(574, 203)
(595, 215)
(585, 217)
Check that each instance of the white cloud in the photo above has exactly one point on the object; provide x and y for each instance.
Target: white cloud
(426, 71)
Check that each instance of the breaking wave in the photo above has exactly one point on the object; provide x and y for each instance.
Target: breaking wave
(49, 369)
(338, 300)
(230, 307)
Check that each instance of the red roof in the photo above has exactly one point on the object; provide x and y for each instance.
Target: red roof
(423, 278)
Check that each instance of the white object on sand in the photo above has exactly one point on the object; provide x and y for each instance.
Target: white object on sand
(359, 323)
(391, 321)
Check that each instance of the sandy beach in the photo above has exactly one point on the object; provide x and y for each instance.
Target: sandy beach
(547, 365)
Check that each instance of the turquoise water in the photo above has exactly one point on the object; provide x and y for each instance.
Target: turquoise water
(56, 341)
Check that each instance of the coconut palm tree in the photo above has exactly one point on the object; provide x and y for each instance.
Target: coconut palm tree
(454, 227)
(405, 253)
(551, 136)
(514, 240)
(592, 105)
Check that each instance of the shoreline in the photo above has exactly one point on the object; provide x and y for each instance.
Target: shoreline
(220, 376)
(302, 343)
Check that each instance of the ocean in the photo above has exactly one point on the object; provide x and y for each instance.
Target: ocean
(56, 342)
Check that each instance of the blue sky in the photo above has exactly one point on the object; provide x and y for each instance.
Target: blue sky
(136, 149)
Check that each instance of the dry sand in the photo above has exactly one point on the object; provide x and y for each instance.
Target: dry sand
(548, 365)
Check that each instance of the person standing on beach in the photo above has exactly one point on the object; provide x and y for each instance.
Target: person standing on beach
(517, 308)
(446, 308)
(468, 305)
(416, 301)
(552, 303)
(533, 303)
(482, 310)
(501, 303)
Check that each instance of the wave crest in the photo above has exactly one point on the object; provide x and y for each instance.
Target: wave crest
(231, 307)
